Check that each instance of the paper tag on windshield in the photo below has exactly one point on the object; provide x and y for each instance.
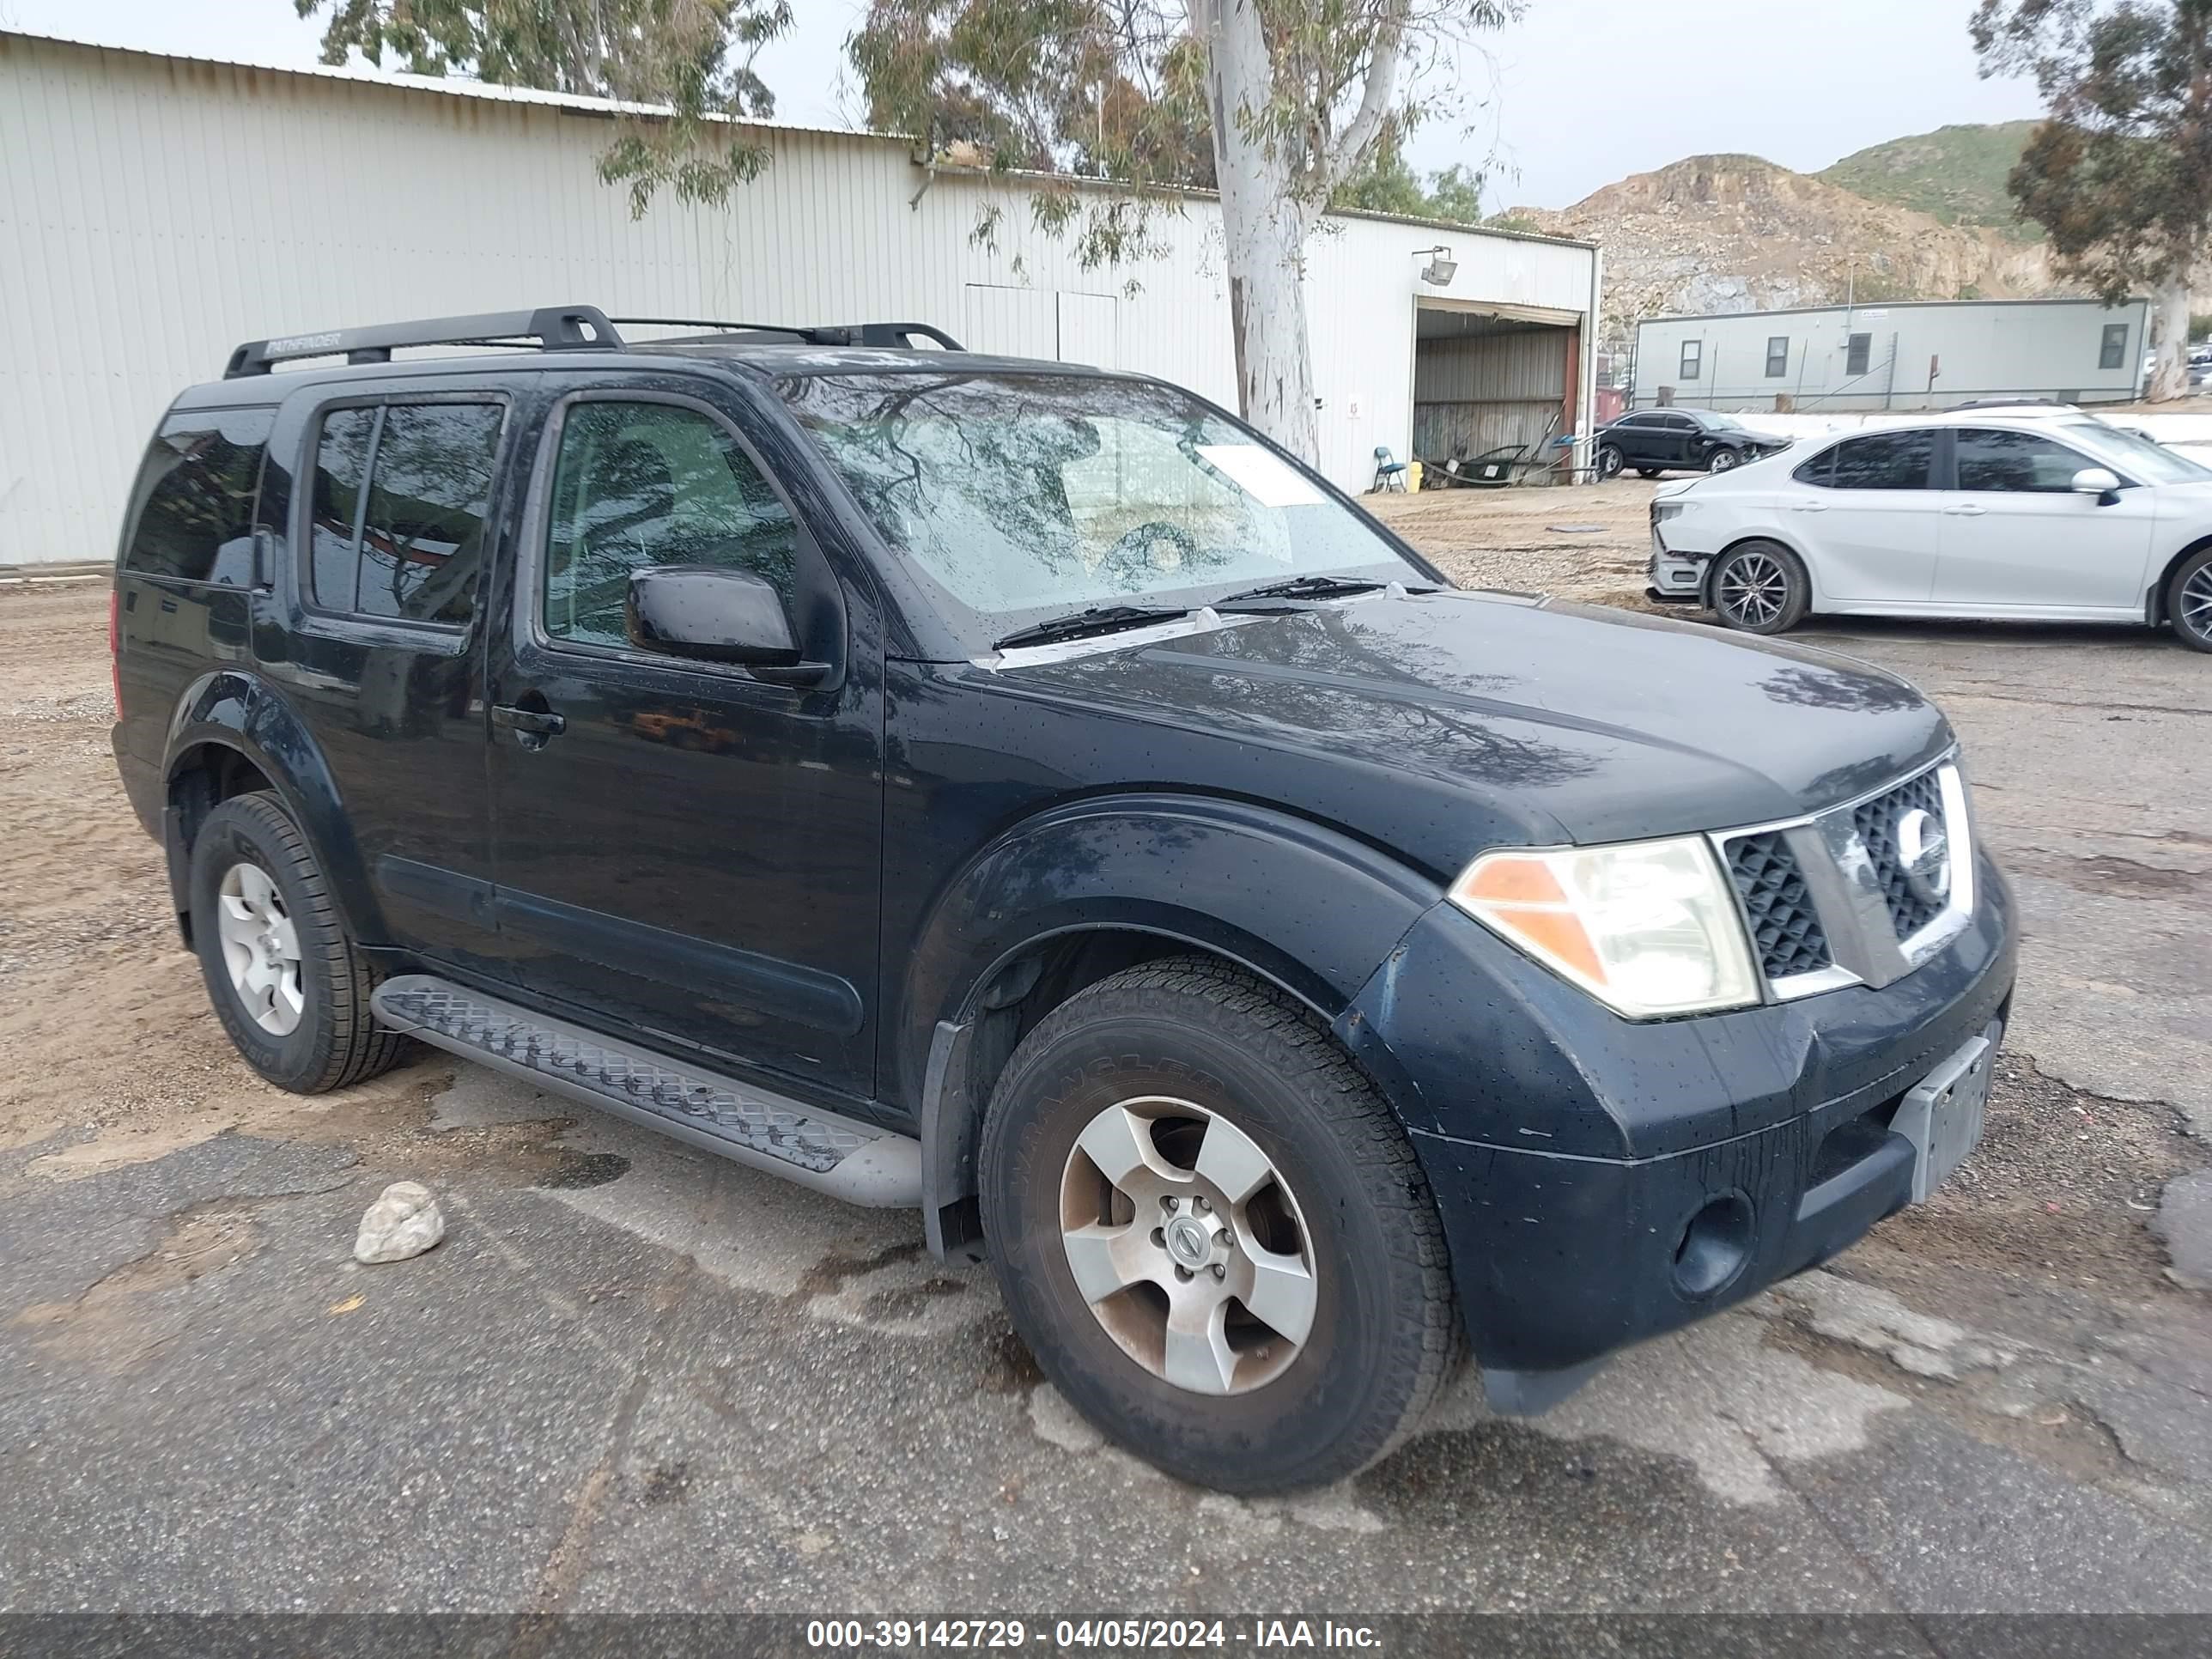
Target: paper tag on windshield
(1261, 476)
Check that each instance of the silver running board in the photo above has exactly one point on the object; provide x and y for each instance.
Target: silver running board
(856, 1162)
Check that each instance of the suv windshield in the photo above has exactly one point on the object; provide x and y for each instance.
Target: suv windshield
(2131, 454)
(1025, 496)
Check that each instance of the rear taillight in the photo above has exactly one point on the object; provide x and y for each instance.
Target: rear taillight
(115, 647)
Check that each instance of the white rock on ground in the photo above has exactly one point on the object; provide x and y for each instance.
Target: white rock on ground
(404, 1221)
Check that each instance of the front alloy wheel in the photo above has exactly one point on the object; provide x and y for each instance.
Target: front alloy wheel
(1188, 1245)
(2190, 602)
(1723, 460)
(1211, 1231)
(1761, 588)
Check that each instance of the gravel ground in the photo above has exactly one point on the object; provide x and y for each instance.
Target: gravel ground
(635, 1377)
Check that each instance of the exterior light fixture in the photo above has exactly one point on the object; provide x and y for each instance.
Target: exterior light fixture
(1441, 267)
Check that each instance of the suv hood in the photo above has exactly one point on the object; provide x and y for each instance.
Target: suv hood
(1444, 722)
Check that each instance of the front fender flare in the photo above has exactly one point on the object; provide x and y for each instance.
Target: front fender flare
(1307, 908)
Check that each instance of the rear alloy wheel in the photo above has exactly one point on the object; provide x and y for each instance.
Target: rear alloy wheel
(1212, 1233)
(1610, 460)
(2189, 601)
(285, 977)
(1723, 460)
(261, 949)
(1761, 587)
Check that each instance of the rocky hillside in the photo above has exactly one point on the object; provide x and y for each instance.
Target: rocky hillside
(1956, 174)
(1735, 233)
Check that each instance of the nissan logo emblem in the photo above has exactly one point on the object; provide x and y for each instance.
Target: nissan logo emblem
(1925, 852)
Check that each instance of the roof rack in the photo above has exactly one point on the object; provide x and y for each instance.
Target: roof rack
(554, 328)
(894, 335)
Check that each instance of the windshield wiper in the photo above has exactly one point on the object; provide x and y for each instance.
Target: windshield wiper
(1303, 587)
(1098, 619)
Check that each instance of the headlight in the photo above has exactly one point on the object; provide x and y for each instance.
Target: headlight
(1650, 928)
(1662, 511)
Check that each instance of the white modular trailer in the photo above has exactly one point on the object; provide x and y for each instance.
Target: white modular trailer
(154, 211)
(1914, 355)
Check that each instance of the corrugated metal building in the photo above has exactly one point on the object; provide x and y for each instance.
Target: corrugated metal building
(156, 211)
(1903, 356)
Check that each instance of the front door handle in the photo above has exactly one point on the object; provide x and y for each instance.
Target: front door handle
(1966, 510)
(529, 722)
(1811, 507)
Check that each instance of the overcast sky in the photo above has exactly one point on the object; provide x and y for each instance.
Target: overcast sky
(1581, 93)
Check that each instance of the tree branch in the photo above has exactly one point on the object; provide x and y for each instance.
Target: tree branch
(1377, 98)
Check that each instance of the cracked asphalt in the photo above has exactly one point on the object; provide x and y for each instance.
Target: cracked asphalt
(634, 1377)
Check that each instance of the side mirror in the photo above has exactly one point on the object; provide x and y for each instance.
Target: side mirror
(712, 615)
(2098, 481)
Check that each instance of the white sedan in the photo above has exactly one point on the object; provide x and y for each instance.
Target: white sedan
(2044, 514)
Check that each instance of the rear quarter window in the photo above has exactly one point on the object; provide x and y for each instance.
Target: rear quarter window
(192, 508)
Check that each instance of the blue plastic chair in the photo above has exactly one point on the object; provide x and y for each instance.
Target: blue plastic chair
(1389, 474)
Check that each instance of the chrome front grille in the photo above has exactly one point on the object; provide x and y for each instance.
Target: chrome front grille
(1862, 893)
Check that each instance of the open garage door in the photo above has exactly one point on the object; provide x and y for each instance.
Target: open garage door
(1491, 379)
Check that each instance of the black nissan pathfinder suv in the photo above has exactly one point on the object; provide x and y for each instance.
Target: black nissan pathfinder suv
(1022, 793)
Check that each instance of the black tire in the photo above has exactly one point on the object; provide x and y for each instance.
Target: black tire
(1723, 460)
(337, 1042)
(1610, 460)
(1648, 472)
(1385, 1330)
(1759, 588)
(2189, 601)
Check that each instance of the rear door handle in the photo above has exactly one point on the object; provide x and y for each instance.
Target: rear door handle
(1811, 507)
(1966, 510)
(533, 722)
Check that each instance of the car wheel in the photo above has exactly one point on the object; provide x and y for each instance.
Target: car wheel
(286, 979)
(2189, 601)
(1212, 1233)
(1723, 460)
(1610, 460)
(1761, 587)
(1647, 471)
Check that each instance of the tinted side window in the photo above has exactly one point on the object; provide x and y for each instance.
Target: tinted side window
(2016, 462)
(1820, 470)
(642, 484)
(422, 538)
(400, 497)
(340, 469)
(194, 492)
(1884, 460)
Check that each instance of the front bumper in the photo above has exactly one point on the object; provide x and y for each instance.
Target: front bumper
(1674, 577)
(1571, 1151)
